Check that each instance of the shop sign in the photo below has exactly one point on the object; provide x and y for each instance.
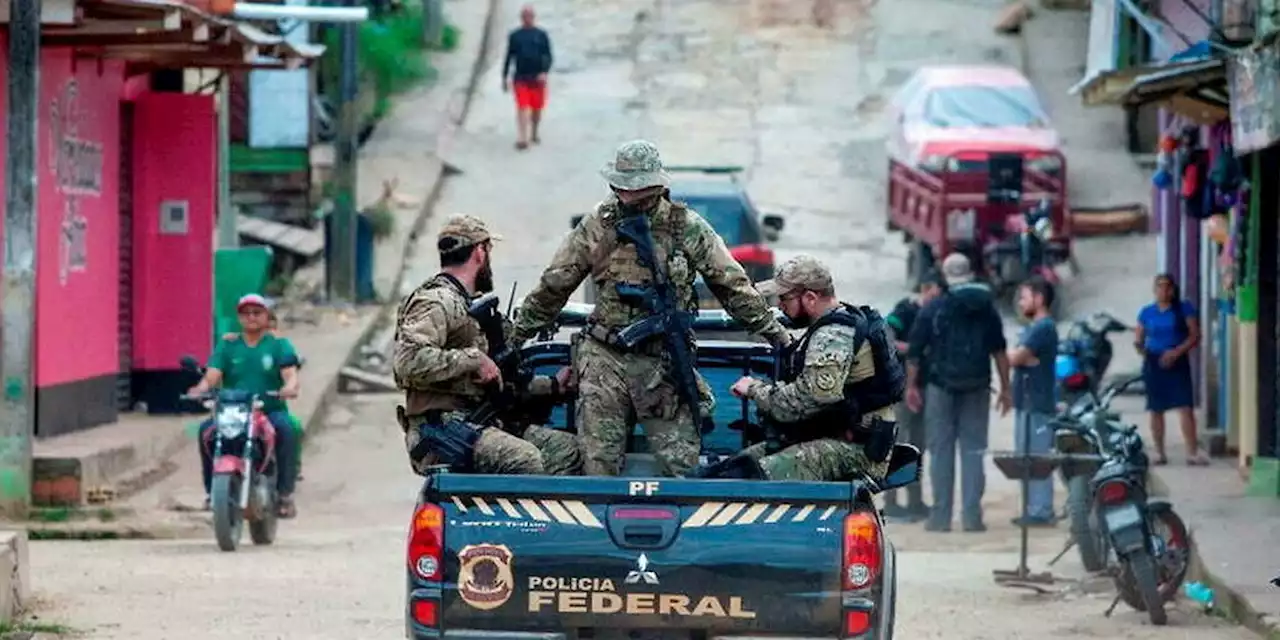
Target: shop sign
(1255, 122)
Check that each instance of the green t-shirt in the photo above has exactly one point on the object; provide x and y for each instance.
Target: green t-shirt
(255, 369)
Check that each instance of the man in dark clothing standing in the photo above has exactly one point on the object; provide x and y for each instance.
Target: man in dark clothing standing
(1035, 393)
(910, 423)
(529, 51)
(958, 334)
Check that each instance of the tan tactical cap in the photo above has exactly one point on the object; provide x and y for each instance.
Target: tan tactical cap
(466, 230)
(801, 273)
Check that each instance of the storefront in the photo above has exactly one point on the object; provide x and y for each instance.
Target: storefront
(1254, 80)
(126, 201)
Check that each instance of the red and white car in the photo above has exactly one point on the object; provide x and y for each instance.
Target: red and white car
(951, 117)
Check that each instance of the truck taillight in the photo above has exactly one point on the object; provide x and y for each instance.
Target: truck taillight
(862, 550)
(426, 542)
(1113, 492)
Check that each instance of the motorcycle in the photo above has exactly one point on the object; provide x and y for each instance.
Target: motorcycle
(1085, 354)
(1027, 249)
(242, 443)
(1145, 538)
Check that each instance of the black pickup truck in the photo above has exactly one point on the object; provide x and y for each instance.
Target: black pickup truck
(640, 556)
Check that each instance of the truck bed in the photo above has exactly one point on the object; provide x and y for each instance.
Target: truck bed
(580, 556)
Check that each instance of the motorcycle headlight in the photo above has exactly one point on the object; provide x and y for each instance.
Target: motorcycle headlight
(232, 422)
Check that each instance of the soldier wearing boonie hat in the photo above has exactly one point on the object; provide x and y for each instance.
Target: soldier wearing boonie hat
(610, 371)
(442, 361)
(833, 402)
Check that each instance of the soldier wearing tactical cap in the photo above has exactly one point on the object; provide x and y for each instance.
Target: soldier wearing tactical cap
(442, 362)
(833, 404)
(619, 386)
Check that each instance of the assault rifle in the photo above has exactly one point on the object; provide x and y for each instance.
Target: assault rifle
(666, 317)
(508, 401)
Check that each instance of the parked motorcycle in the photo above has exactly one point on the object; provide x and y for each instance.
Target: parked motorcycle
(1145, 537)
(242, 443)
(1085, 354)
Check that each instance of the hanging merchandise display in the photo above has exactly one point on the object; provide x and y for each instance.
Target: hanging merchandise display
(1163, 178)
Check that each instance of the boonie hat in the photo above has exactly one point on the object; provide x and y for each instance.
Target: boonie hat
(636, 165)
(801, 273)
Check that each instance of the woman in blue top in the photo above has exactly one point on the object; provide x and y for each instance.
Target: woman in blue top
(1167, 331)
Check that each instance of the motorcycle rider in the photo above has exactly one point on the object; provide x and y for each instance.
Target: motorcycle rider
(441, 361)
(258, 362)
(299, 430)
(834, 401)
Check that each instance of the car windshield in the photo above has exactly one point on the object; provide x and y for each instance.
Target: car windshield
(984, 107)
(725, 215)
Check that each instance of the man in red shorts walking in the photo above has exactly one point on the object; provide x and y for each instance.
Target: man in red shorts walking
(529, 51)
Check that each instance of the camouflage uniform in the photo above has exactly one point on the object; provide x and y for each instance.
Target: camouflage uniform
(829, 365)
(438, 352)
(617, 389)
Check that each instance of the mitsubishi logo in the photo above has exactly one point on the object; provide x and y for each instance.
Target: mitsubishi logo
(641, 572)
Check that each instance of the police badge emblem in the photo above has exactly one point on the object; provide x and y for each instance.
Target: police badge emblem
(484, 579)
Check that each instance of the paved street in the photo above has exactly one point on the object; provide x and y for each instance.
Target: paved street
(751, 83)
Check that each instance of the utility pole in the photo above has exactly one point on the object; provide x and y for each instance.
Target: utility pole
(228, 233)
(341, 267)
(17, 411)
(433, 23)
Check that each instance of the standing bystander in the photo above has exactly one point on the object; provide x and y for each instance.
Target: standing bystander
(1034, 392)
(1167, 331)
(911, 423)
(958, 334)
(529, 52)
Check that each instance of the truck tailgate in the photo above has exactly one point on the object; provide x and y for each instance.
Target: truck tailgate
(540, 553)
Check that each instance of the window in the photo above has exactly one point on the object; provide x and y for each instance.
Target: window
(984, 107)
(726, 215)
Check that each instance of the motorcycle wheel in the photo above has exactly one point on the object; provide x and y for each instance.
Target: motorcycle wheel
(1139, 586)
(228, 521)
(262, 530)
(1080, 511)
(1172, 565)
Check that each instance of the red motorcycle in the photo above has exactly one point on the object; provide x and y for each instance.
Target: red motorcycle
(242, 443)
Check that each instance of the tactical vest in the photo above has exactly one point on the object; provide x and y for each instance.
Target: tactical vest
(884, 388)
(614, 262)
(466, 332)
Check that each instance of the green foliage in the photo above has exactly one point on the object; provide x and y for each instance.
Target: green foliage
(391, 54)
(381, 219)
(449, 38)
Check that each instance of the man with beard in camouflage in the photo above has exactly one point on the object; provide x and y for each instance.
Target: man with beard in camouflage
(620, 387)
(442, 363)
(834, 401)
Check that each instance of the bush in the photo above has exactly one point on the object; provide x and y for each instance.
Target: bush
(391, 54)
(449, 38)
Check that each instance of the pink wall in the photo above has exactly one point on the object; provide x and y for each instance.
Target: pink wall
(78, 225)
(175, 159)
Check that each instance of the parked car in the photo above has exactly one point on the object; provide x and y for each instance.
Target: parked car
(972, 150)
(721, 199)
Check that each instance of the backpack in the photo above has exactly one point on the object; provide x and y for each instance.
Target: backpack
(959, 360)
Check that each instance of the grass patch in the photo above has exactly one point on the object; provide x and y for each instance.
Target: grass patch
(15, 627)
